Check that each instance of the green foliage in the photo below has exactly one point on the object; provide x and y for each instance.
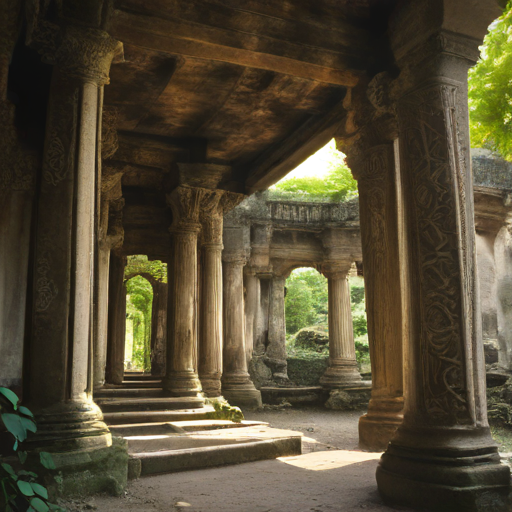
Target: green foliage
(140, 264)
(490, 90)
(20, 489)
(337, 185)
(139, 303)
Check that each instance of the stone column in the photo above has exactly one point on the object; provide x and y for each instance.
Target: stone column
(116, 320)
(252, 309)
(181, 377)
(276, 349)
(442, 457)
(210, 339)
(159, 328)
(372, 161)
(342, 371)
(237, 386)
(60, 345)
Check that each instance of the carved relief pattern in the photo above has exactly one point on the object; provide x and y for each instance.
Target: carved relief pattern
(46, 290)
(212, 217)
(428, 139)
(60, 152)
(185, 203)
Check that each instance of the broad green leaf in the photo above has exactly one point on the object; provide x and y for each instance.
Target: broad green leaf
(25, 411)
(23, 457)
(8, 469)
(39, 505)
(28, 424)
(10, 395)
(14, 425)
(39, 489)
(47, 460)
(27, 473)
(25, 488)
(15, 447)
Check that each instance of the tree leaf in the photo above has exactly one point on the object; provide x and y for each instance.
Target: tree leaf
(28, 424)
(47, 460)
(22, 456)
(14, 425)
(39, 489)
(39, 505)
(25, 411)
(27, 473)
(10, 395)
(25, 488)
(8, 469)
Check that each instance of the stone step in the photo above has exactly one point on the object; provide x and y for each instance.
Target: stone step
(178, 452)
(149, 404)
(136, 417)
(294, 395)
(128, 393)
(140, 384)
(180, 427)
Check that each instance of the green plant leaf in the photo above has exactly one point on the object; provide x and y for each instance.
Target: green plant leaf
(39, 505)
(25, 488)
(10, 395)
(28, 424)
(8, 469)
(22, 456)
(27, 473)
(14, 425)
(39, 489)
(47, 460)
(25, 411)
(31, 509)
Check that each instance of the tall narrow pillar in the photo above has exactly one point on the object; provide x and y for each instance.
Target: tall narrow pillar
(210, 339)
(372, 162)
(181, 377)
(237, 386)
(342, 371)
(276, 349)
(252, 310)
(116, 334)
(442, 457)
(159, 328)
(60, 358)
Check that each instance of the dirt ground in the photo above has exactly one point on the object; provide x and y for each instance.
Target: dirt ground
(330, 476)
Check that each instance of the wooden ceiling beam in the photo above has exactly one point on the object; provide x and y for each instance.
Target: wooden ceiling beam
(174, 37)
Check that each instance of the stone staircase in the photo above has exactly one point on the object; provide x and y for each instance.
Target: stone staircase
(168, 434)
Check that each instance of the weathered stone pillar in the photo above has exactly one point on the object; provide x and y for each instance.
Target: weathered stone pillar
(372, 161)
(60, 348)
(237, 386)
(276, 348)
(252, 309)
(110, 237)
(210, 339)
(116, 335)
(342, 371)
(181, 377)
(442, 457)
(159, 328)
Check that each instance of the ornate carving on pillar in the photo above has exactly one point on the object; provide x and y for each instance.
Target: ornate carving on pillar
(443, 454)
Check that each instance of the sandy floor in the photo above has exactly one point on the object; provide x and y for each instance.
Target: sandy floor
(325, 479)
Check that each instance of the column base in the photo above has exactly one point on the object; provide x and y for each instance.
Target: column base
(182, 384)
(340, 375)
(238, 390)
(211, 386)
(454, 471)
(68, 426)
(378, 426)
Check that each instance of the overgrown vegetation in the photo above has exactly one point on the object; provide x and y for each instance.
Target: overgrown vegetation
(337, 185)
(306, 309)
(21, 491)
(139, 303)
(490, 90)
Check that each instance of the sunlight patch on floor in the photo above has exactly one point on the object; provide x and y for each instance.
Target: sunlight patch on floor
(321, 461)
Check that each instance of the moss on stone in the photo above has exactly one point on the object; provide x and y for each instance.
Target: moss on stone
(224, 411)
(306, 369)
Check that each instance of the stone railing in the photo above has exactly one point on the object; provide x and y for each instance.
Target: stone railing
(297, 212)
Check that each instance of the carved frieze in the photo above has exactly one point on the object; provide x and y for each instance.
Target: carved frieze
(435, 180)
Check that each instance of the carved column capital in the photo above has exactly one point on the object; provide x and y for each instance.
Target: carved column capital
(230, 200)
(211, 218)
(185, 203)
(79, 52)
(335, 270)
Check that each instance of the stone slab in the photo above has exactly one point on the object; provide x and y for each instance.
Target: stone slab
(149, 404)
(123, 418)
